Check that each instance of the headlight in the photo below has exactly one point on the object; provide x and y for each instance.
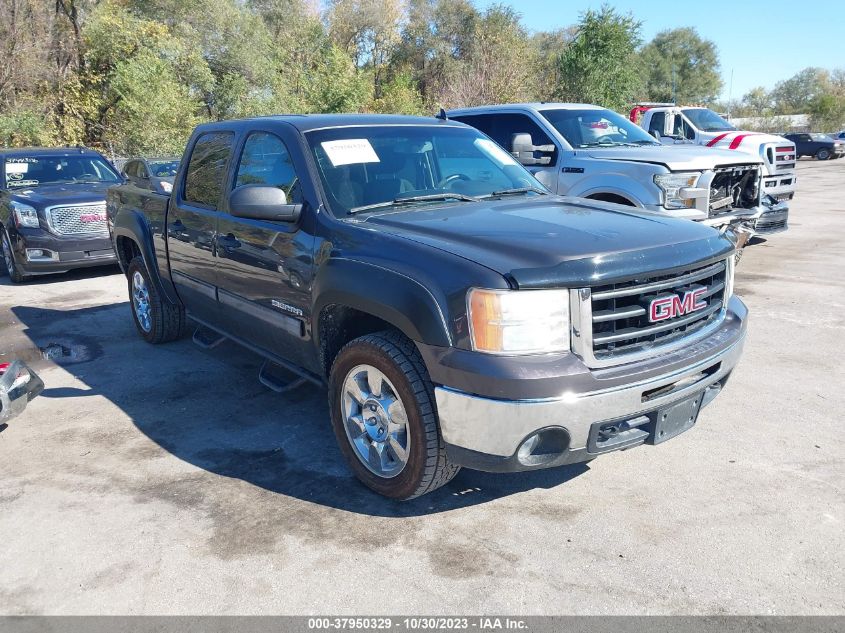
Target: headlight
(671, 185)
(518, 321)
(25, 215)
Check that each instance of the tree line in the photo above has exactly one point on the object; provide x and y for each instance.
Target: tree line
(135, 76)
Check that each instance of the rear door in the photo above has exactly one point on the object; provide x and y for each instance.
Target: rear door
(192, 223)
(265, 269)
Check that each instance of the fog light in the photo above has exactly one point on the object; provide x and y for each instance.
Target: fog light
(40, 255)
(544, 447)
(527, 446)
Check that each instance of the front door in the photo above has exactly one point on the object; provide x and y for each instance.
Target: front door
(192, 223)
(265, 269)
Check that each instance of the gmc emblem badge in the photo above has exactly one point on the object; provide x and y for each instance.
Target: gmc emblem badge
(673, 306)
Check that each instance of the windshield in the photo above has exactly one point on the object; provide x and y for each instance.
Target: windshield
(707, 120)
(164, 168)
(32, 171)
(384, 165)
(820, 137)
(596, 128)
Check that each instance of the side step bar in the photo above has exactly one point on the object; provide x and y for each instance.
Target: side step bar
(276, 373)
(268, 377)
(207, 338)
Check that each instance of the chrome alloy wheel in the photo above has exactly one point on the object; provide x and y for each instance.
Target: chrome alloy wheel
(141, 301)
(376, 422)
(7, 253)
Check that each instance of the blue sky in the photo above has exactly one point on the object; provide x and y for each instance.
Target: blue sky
(762, 41)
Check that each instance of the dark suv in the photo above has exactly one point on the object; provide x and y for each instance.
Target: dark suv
(53, 210)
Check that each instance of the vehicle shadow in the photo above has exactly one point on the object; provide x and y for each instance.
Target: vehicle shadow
(207, 408)
(78, 273)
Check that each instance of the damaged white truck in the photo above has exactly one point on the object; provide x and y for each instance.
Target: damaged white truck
(673, 125)
(592, 152)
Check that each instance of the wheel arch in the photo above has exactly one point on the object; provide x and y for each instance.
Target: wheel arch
(357, 298)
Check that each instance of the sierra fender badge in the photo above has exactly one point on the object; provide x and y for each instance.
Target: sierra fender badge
(287, 308)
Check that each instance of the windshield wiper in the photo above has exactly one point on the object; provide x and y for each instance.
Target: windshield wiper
(645, 142)
(432, 197)
(516, 191)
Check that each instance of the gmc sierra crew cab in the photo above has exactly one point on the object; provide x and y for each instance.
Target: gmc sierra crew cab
(53, 210)
(458, 312)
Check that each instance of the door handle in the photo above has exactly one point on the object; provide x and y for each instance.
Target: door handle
(228, 242)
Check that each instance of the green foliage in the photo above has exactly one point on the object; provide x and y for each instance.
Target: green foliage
(399, 95)
(679, 65)
(599, 66)
(134, 76)
(25, 127)
(827, 112)
(795, 94)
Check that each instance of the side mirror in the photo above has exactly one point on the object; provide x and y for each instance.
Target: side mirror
(523, 148)
(263, 202)
(669, 124)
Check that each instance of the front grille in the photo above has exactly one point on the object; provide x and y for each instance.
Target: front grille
(84, 219)
(621, 322)
(734, 188)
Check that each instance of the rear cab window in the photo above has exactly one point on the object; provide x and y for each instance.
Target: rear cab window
(205, 176)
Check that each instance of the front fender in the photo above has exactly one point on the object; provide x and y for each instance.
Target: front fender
(389, 295)
(620, 185)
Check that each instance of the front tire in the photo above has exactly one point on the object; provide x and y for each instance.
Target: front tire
(385, 418)
(15, 275)
(823, 154)
(156, 318)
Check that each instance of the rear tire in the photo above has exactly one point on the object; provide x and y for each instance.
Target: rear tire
(823, 154)
(156, 318)
(407, 454)
(15, 276)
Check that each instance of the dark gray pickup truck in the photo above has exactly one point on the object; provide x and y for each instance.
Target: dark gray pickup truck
(458, 313)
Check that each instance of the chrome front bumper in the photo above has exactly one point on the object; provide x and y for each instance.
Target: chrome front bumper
(495, 429)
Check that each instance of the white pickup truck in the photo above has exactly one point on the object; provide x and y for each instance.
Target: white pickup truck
(592, 152)
(674, 125)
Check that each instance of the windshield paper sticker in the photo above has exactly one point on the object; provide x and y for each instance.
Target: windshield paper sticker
(494, 151)
(350, 152)
(17, 168)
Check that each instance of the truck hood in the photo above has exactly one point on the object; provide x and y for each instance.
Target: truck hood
(556, 241)
(673, 157)
(48, 195)
(742, 141)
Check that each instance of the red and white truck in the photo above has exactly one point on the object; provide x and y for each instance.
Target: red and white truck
(672, 124)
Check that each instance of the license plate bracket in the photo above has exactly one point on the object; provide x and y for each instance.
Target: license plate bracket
(674, 419)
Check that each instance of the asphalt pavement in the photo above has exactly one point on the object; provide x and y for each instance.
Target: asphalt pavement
(167, 480)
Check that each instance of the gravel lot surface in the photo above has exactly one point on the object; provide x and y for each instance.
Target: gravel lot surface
(167, 480)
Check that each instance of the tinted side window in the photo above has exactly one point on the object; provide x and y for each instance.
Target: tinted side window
(502, 127)
(207, 169)
(265, 160)
(658, 120)
(506, 125)
(481, 122)
(129, 168)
